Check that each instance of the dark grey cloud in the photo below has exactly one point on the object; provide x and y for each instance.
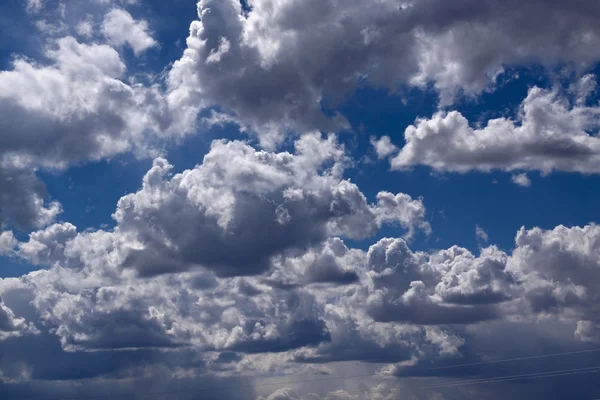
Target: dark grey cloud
(23, 201)
(297, 334)
(416, 307)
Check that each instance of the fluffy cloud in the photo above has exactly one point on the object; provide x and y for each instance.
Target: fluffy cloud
(448, 287)
(550, 134)
(23, 201)
(76, 101)
(241, 207)
(481, 234)
(75, 109)
(242, 212)
(239, 266)
(383, 147)
(332, 303)
(521, 180)
(47, 246)
(12, 326)
(7, 242)
(209, 216)
(120, 28)
(274, 65)
(560, 269)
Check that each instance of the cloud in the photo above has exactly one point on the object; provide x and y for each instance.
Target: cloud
(383, 147)
(73, 108)
(448, 287)
(120, 28)
(270, 217)
(34, 6)
(550, 134)
(23, 202)
(246, 263)
(12, 326)
(588, 331)
(521, 180)
(481, 234)
(241, 207)
(7, 242)
(401, 306)
(274, 67)
(379, 392)
(331, 263)
(559, 269)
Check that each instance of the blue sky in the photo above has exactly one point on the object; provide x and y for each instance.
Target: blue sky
(237, 194)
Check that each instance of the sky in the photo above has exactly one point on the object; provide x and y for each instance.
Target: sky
(299, 199)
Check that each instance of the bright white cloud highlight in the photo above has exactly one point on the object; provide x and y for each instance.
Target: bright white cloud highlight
(120, 28)
(550, 134)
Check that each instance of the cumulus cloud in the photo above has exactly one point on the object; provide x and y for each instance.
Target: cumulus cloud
(449, 287)
(273, 66)
(270, 217)
(73, 108)
(235, 213)
(550, 134)
(23, 201)
(481, 234)
(12, 326)
(241, 207)
(388, 304)
(521, 180)
(243, 264)
(383, 147)
(560, 268)
(120, 28)
(7, 242)
(47, 246)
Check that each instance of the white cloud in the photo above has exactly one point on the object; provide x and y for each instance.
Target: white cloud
(240, 208)
(481, 234)
(34, 6)
(278, 61)
(251, 270)
(75, 108)
(7, 242)
(560, 271)
(549, 135)
(85, 28)
(389, 304)
(12, 326)
(120, 28)
(521, 180)
(583, 88)
(383, 147)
